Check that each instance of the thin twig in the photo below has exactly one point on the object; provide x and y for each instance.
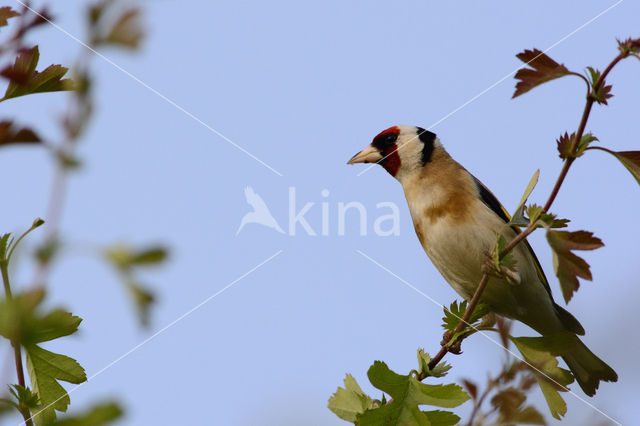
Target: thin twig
(17, 351)
(534, 221)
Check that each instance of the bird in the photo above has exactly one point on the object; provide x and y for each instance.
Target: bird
(457, 221)
(260, 213)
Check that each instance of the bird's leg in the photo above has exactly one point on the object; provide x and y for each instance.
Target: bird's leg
(489, 320)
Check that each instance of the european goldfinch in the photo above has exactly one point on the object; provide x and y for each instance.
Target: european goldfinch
(457, 220)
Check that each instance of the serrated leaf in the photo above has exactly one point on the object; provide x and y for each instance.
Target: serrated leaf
(350, 401)
(564, 143)
(56, 324)
(593, 75)
(441, 418)
(6, 13)
(25, 397)
(98, 415)
(543, 69)
(25, 80)
(407, 395)
(602, 94)
(585, 141)
(568, 267)
(20, 320)
(551, 378)
(454, 314)
(4, 245)
(629, 46)
(439, 370)
(45, 370)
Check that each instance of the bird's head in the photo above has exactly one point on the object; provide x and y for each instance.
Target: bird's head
(401, 150)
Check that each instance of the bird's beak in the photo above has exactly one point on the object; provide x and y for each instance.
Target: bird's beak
(368, 155)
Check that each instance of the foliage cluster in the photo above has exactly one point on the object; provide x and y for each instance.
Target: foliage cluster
(537, 362)
(25, 320)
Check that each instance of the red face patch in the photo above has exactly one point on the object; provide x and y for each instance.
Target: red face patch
(385, 142)
(391, 160)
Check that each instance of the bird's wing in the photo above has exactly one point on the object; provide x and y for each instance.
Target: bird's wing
(492, 202)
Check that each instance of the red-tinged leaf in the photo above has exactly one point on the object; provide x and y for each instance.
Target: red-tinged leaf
(602, 94)
(471, 387)
(23, 68)
(564, 144)
(10, 134)
(630, 45)
(25, 80)
(568, 266)
(631, 160)
(125, 32)
(6, 13)
(543, 69)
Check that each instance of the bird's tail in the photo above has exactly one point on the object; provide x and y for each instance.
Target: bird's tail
(587, 368)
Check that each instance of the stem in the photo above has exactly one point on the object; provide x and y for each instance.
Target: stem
(17, 351)
(534, 221)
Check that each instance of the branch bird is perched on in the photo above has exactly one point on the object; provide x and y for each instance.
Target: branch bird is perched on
(457, 220)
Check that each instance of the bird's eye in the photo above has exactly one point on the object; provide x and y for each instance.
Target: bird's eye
(391, 138)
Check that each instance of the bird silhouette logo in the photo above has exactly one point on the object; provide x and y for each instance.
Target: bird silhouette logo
(260, 214)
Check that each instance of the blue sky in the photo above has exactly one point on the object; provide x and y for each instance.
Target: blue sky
(303, 86)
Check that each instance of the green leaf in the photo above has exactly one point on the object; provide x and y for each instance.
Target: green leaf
(543, 69)
(439, 370)
(56, 324)
(45, 370)
(518, 218)
(149, 256)
(544, 220)
(454, 314)
(25, 397)
(551, 378)
(532, 184)
(585, 140)
(351, 401)
(4, 245)
(25, 80)
(407, 395)
(98, 415)
(21, 322)
(503, 266)
(17, 315)
(568, 267)
(593, 75)
(143, 299)
(124, 257)
(441, 418)
(6, 13)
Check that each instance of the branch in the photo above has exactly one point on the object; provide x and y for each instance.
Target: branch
(534, 221)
